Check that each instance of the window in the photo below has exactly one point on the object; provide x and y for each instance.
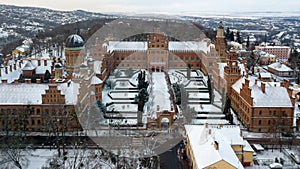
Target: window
(32, 122)
(259, 122)
(14, 112)
(38, 111)
(269, 122)
(260, 112)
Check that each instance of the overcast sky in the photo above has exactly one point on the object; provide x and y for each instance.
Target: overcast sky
(162, 5)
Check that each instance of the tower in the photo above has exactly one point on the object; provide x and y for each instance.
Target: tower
(157, 54)
(232, 72)
(220, 42)
(73, 48)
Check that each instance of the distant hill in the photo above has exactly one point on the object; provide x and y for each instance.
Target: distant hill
(18, 23)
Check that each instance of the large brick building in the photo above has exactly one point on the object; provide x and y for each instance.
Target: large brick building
(281, 52)
(48, 94)
(263, 106)
(156, 54)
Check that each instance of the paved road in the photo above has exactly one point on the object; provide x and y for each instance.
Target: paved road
(169, 159)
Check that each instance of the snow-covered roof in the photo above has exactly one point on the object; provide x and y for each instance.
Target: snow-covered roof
(10, 76)
(126, 46)
(97, 67)
(173, 46)
(71, 91)
(42, 68)
(14, 94)
(247, 147)
(230, 134)
(222, 65)
(28, 66)
(274, 96)
(189, 46)
(202, 143)
(265, 75)
(280, 67)
(96, 80)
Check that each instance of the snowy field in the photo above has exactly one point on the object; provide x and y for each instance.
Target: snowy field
(264, 158)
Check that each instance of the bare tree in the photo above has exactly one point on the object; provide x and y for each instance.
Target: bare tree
(14, 147)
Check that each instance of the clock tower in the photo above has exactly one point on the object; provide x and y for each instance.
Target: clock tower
(220, 43)
(232, 72)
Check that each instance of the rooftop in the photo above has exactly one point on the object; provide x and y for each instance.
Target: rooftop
(280, 67)
(274, 95)
(202, 141)
(20, 94)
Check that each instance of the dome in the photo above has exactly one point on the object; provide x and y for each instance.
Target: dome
(74, 41)
(57, 66)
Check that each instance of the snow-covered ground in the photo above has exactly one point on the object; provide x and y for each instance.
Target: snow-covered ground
(160, 91)
(263, 159)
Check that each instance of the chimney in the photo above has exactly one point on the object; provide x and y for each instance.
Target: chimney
(216, 145)
(38, 81)
(28, 81)
(16, 81)
(285, 83)
(157, 107)
(45, 62)
(39, 62)
(58, 73)
(255, 82)
(206, 125)
(20, 64)
(263, 87)
(6, 71)
(10, 68)
(91, 63)
(15, 66)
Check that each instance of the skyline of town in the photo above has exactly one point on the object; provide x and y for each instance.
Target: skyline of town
(178, 6)
(87, 90)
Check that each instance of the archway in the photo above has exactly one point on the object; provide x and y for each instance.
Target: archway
(153, 69)
(157, 69)
(164, 124)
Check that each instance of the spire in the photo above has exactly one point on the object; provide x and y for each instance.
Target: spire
(220, 25)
